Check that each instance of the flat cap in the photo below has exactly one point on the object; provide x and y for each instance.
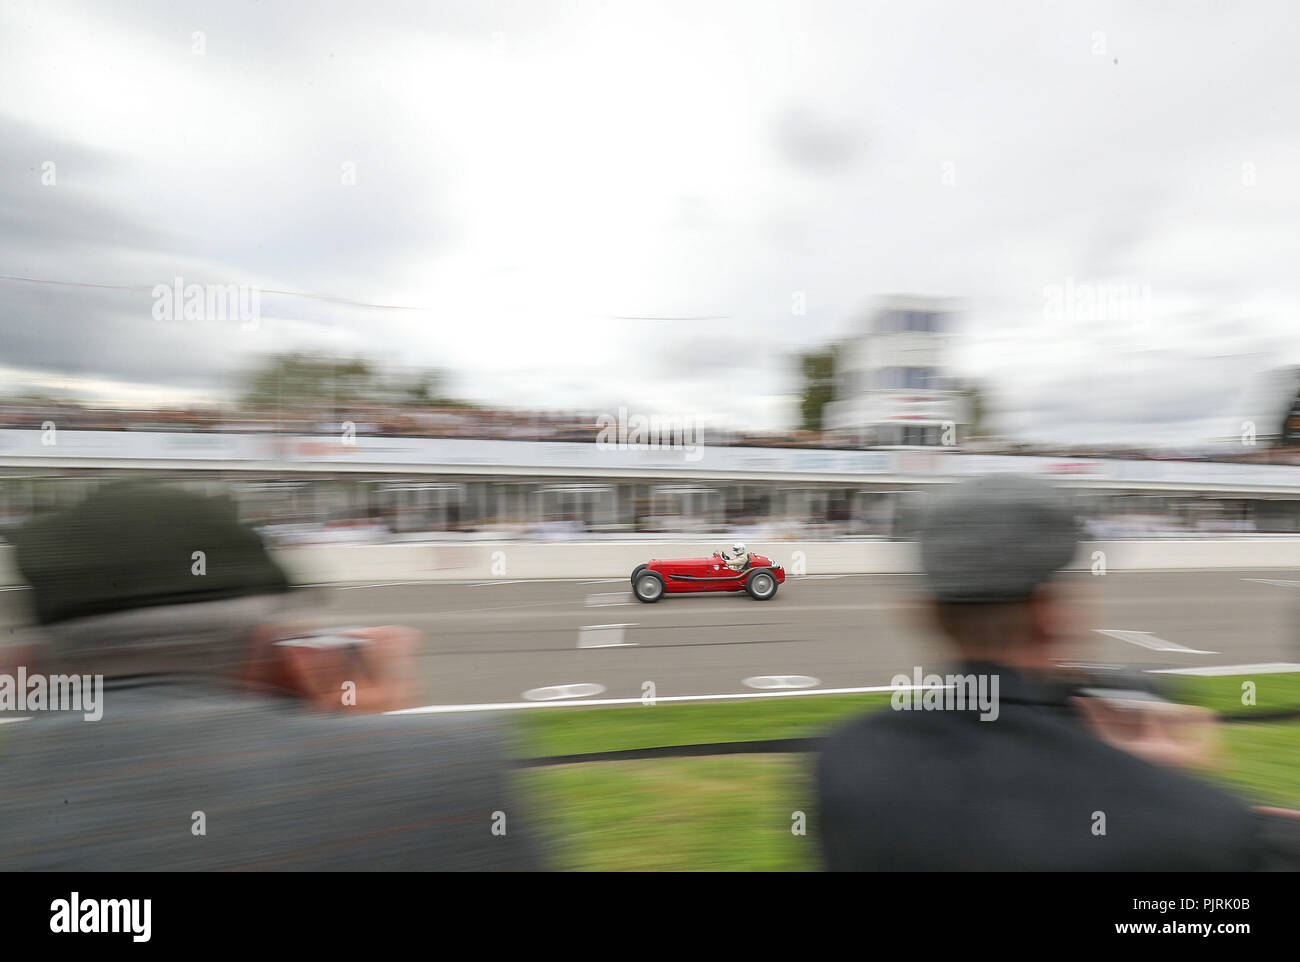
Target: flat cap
(996, 537)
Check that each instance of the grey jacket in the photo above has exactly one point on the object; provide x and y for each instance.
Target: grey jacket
(1033, 790)
(185, 771)
(273, 786)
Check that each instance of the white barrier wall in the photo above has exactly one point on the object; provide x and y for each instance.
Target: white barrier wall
(527, 560)
(487, 561)
(221, 450)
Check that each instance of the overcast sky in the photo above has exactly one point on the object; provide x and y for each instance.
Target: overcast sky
(601, 203)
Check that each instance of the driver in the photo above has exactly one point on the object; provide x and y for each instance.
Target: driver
(736, 557)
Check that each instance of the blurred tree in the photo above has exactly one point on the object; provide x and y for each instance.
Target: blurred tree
(818, 370)
(425, 388)
(298, 378)
(289, 379)
(975, 401)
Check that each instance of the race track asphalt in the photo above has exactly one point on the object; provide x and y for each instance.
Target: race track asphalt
(495, 643)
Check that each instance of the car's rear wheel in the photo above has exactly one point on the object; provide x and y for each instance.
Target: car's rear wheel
(761, 585)
(648, 587)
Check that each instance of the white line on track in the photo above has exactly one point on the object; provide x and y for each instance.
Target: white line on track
(449, 582)
(604, 636)
(480, 583)
(1172, 571)
(776, 682)
(609, 599)
(515, 705)
(377, 584)
(464, 582)
(492, 609)
(1267, 668)
(1146, 639)
(1270, 581)
(553, 693)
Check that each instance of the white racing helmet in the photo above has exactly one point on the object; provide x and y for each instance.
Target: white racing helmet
(737, 556)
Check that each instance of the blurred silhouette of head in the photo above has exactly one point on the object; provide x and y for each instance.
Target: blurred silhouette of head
(142, 577)
(991, 547)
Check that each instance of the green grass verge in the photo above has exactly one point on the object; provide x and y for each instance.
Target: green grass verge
(1261, 763)
(1225, 695)
(572, 731)
(734, 812)
(675, 814)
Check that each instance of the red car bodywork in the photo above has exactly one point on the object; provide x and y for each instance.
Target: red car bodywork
(685, 575)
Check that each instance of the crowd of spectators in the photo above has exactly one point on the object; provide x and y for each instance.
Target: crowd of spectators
(483, 423)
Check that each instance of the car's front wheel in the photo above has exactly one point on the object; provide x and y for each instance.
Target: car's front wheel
(648, 587)
(761, 585)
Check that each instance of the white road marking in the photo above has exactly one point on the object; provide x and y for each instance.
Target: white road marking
(1270, 581)
(378, 584)
(552, 693)
(604, 636)
(710, 599)
(516, 705)
(1146, 639)
(768, 682)
(5, 721)
(609, 599)
(1267, 668)
(439, 612)
(479, 583)
(589, 581)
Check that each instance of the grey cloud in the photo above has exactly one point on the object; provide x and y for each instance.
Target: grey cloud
(1066, 166)
(815, 143)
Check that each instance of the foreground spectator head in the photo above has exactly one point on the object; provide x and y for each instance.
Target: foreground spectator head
(203, 703)
(1019, 784)
(991, 548)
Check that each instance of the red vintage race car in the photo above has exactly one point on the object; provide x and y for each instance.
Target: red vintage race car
(727, 570)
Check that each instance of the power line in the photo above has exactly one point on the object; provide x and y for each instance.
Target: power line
(149, 289)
